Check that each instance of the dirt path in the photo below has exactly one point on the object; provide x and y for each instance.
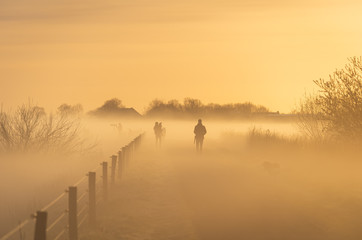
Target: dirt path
(146, 204)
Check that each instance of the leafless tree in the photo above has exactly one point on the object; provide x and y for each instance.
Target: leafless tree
(311, 120)
(338, 103)
(29, 128)
(340, 99)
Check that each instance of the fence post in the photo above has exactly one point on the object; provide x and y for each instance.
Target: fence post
(119, 164)
(129, 148)
(92, 198)
(132, 149)
(72, 220)
(105, 180)
(40, 225)
(113, 172)
(127, 155)
(124, 156)
(137, 142)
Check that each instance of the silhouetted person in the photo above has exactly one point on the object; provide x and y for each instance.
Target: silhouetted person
(157, 128)
(162, 130)
(200, 132)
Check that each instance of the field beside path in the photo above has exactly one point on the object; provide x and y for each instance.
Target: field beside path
(230, 192)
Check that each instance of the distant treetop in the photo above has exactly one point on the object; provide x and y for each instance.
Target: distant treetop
(66, 109)
(194, 107)
(114, 108)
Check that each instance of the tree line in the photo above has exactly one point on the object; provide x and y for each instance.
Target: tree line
(191, 107)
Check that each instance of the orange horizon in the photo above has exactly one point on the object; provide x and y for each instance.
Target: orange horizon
(264, 52)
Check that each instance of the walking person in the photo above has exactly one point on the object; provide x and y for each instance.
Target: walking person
(199, 132)
(159, 132)
(156, 130)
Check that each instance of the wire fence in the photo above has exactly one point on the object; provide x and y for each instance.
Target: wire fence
(61, 218)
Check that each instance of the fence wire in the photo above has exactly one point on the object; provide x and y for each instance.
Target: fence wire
(58, 208)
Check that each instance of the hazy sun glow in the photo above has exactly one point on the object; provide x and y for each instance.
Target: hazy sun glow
(266, 52)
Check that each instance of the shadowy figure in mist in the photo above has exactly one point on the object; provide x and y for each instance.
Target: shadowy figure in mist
(158, 130)
(163, 130)
(118, 127)
(199, 132)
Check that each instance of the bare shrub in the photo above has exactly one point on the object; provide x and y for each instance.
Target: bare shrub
(336, 110)
(29, 128)
(311, 120)
(340, 99)
(257, 136)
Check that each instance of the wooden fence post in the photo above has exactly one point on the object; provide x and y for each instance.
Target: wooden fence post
(137, 142)
(119, 164)
(129, 148)
(127, 155)
(124, 157)
(92, 198)
(105, 180)
(113, 172)
(72, 214)
(40, 225)
(132, 149)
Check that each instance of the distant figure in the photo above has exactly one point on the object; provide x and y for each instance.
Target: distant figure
(118, 127)
(162, 130)
(157, 128)
(162, 133)
(156, 131)
(199, 132)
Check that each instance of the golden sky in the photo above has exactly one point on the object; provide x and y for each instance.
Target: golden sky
(87, 51)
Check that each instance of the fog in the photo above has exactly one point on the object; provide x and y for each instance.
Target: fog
(239, 187)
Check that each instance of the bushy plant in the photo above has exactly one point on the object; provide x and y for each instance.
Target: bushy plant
(336, 109)
(30, 128)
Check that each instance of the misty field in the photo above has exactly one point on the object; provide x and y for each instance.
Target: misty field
(253, 181)
(235, 191)
(104, 104)
(30, 181)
